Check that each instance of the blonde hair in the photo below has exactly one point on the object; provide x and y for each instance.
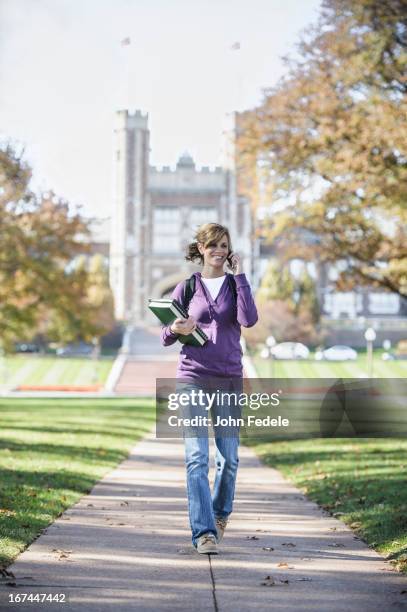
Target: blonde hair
(206, 234)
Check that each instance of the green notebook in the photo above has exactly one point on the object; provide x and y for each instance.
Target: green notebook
(169, 310)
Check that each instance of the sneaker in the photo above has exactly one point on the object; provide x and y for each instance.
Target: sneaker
(220, 527)
(206, 544)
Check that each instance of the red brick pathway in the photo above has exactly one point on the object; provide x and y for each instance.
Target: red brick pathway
(138, 377)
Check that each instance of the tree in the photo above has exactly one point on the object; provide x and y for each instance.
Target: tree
(280, 319)
(99, 294)
(330, 137)
(308, 298)
(282, 316)
(276, 284)
(40, 290)
(93, 313)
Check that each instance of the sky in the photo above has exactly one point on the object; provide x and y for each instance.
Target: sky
(64, 72)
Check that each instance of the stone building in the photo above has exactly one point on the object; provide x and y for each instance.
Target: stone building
(345, 315)
(155, 215)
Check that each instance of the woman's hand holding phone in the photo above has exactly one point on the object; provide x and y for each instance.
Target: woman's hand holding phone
(183, 326)
(235, 263)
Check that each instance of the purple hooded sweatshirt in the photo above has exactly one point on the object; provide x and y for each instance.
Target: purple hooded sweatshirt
(220, 319)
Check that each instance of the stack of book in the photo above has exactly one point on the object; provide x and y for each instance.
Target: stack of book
(169, 310)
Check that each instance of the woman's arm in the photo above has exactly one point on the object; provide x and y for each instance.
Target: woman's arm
(167, 336)
(246, 308)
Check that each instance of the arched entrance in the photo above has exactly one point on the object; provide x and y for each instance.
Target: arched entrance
(165, 286)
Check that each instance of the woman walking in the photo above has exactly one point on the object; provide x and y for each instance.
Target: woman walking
(220, 304)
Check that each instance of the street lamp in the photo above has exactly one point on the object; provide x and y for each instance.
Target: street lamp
(370, 336)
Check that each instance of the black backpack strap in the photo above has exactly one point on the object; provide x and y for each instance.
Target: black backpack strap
(189, 290)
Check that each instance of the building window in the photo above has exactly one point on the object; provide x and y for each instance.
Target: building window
(384, 303)
(199, 215)
(341, 304)
(166, 230)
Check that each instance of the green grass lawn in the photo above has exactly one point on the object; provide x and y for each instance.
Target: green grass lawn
(37, 370)
(52, 452)
(325, 369)
(361, 481)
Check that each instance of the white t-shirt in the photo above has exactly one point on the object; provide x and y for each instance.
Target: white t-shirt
(213, 285)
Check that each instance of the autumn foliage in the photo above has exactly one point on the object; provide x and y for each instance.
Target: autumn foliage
(329, 140)
(41, 288)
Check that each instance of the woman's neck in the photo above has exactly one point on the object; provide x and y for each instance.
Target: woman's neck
(211, 272)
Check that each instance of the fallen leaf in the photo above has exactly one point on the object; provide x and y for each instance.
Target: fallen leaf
(271, 581)
(61, 550)
(6, 574)
(7, 512)
(63, 554)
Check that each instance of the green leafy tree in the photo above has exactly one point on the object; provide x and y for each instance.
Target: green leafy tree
(276, 284)
(280, 314)
(99, 294)
(308, 298)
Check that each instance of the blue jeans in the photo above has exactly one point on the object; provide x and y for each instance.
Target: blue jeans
(203, 506)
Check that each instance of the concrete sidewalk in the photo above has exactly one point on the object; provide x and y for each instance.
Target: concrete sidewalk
(126, 546)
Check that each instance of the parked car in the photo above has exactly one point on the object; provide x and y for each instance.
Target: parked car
(27, 347)
(71, 350)
(290, 350)
(338, 352)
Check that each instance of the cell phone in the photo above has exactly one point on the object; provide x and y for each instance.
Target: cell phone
(230, 260)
